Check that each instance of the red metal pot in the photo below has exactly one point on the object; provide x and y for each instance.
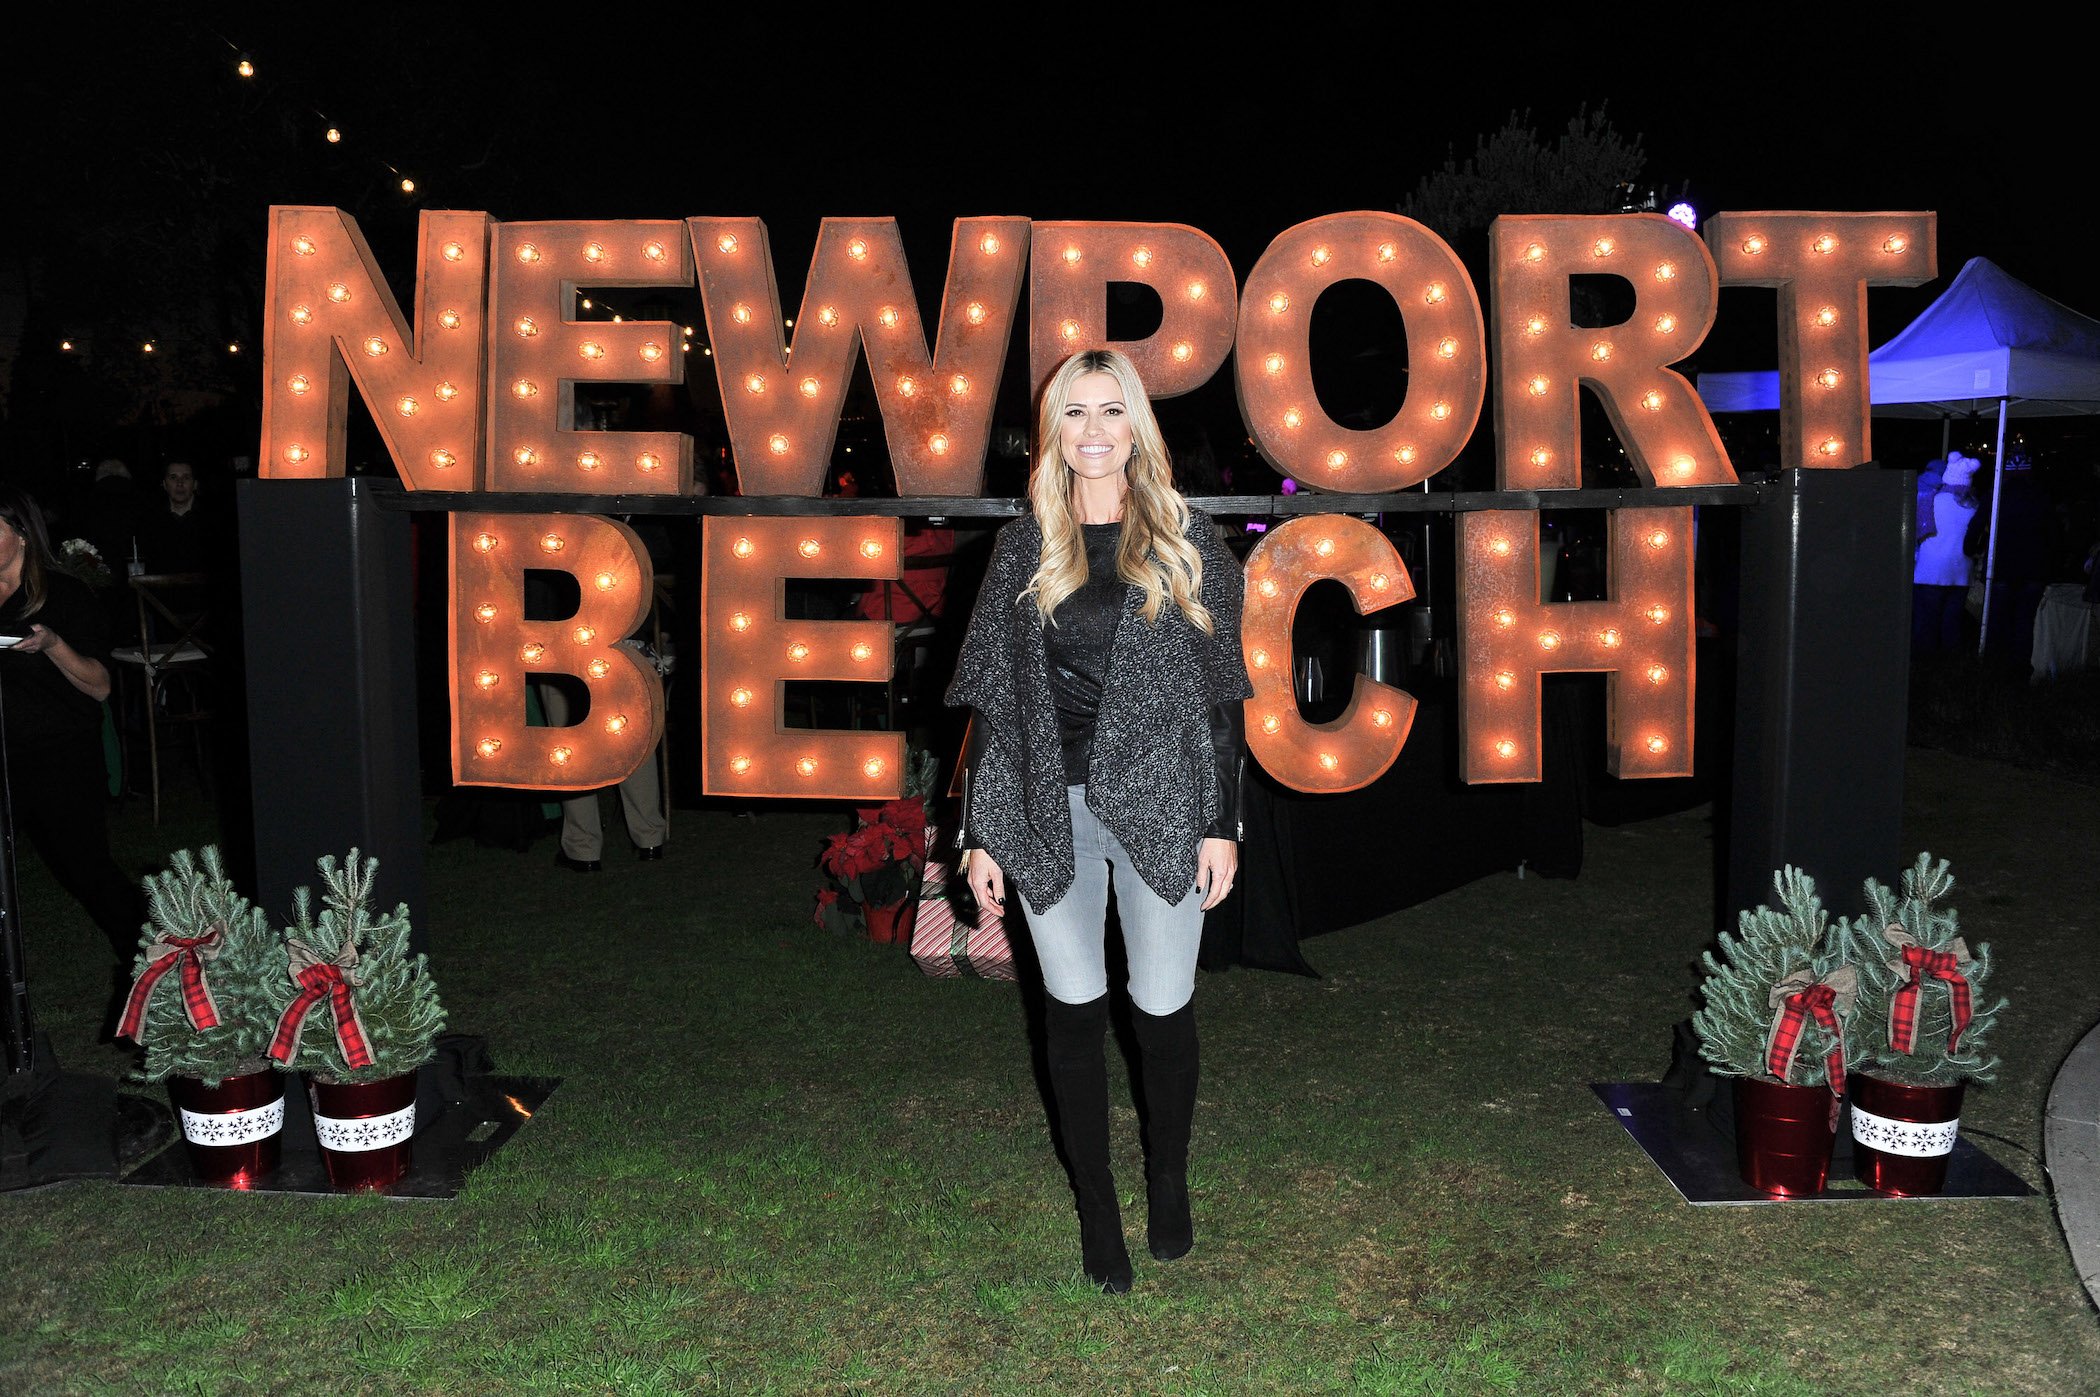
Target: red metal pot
(234, 1132)
(365, 1130)
(1783, 1135)
(1902, 1137)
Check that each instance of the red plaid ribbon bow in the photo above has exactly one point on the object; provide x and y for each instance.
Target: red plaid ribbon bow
(1919, 965)
(1799, 997)
(319, 978)
(185, 955)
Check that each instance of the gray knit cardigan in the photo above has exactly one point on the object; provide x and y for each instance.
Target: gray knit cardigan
(1151, 778)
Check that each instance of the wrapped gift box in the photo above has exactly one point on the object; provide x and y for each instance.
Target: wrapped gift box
(948, 940)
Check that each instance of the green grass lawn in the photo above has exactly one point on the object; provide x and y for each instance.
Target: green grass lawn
(785, 1162)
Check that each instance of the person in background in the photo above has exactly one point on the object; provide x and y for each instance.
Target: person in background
(54, 675)
(171, 535)
(1940, 575)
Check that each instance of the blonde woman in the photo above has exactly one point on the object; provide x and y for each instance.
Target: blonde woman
(1103, 664)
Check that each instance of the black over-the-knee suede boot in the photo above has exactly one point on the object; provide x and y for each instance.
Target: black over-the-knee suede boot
(1167, 1046)
(1079, 1087)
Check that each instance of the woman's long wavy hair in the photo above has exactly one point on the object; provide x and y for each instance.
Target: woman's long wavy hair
(1155, 553)
(22, 514)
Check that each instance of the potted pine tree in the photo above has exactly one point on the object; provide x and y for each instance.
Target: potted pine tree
(1779, 1001)
(358, 1014)
(1926, 1029)
(200, 1007)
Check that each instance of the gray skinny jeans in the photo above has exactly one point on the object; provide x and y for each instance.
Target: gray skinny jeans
(1160, 939)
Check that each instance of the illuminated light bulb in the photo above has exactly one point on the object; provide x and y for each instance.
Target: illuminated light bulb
(756, 383)
(1825, 244)
(651, 351)
(960, 384)
(807, 766)
(1603, 247)
(528, 253)
(1292, 417)
(484, 543)
(1505, 679)
(1536, 325)
(1336, 460)
(560, 755)
(488, 746)
(1379, 582)
(648, 461)
(442, 459)
(408, 186)
(1540, 456)
(827, 316)
(810, 387)
(1754, 244)
(1534, 253)
(1827, 316)
(1440, 411)
(606, 581)
(1382, 718)
(654, 251)
(525, 456)
(1504, 617)
(798, 652)
(740, 621)
(1652, 400)
(1329, 761)
(302, 315)
(1660, 538)
(888, 317)
(1321, 256)
(1405, 455)
(938, 442)
(449, 319)
(616, 724)
(333, 135)
(862, 651)
(593, 252)
(1197, 290)
(741, 698)
(1610, 637)
(245, 68)
(1325, 548)
(1829, 378)
(598, 669)
(1656, 674)
(1273, 363)
(1658, 744)
(1505, 749)
(1895, 242)
(300, 383)
(447, 392)
(485, 613)
(524, 388)
(1657, 613)
(65, 346)
(777, 444)
(488, 679)
(1684, 465)
(741, 314)
(1500, 546)
(1270, 722)
(1279, 303)
(1183, 351)
(1549, 640)
(1068, 330)
(584, 634)
(1447, 348)
(1434, 293)
(857, 249)
(295, 454)
(591, 349)
(742, 548)
(906, 386)
(303, 245)
(1071, 256)
(616, 320)
(374, 346)
(1830, 446)
(740, 765)
(809, 548)
(1261, 659)
(586, 303)
(338, 292)
(1666, 271)
(974, 312)
(533, 652)
(1538, 385)
(1387, 252)
(1267, 587)
(1665, 324)
(1600, 351)
(1141, 257)
(552, 543)
(407, 407)
(589, 460)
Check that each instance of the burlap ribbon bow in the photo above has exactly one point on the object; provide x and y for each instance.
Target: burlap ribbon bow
(319, 977)
(1917, 965)
(1800, 997)
(185, 955)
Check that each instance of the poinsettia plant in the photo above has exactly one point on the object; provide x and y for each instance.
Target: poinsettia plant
(877, 863)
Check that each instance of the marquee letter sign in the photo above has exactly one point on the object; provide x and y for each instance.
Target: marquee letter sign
(1068, 299)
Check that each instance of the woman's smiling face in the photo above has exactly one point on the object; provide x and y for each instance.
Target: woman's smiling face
(1094, 429)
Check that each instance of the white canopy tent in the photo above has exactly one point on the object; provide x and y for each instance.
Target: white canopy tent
(1990, 340)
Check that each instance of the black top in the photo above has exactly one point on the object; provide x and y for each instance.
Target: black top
(1077, 647)
(41, 703)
